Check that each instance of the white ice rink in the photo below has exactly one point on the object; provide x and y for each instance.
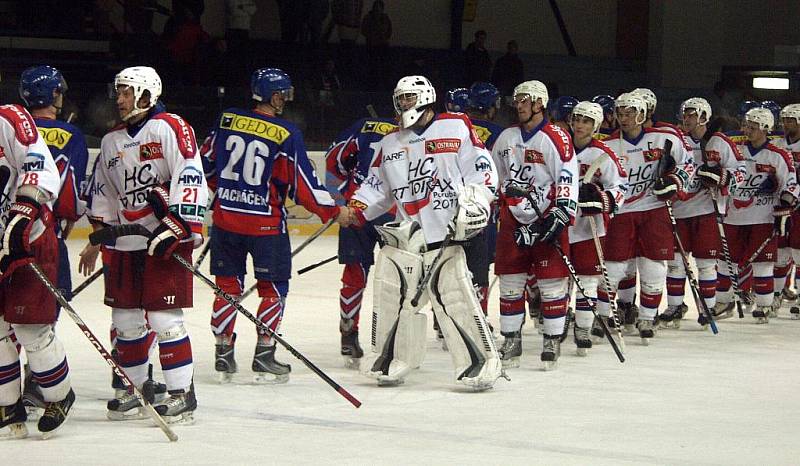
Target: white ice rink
(689, 398)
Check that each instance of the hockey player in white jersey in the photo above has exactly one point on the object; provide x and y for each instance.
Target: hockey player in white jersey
(149, 173)
(641, 231)
(790, 119)
(719, 167)
(538, 157)
(600, 199)
(759, 210)
(437, 172)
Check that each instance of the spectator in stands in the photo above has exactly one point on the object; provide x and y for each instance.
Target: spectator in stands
(315, 13)
(376, 26)
(192, 52)
(347, 18)
(239, 20)
(478, 64)
(509, 70)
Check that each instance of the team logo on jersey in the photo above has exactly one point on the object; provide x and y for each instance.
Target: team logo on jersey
(355, 203)
(712, 156)
(254, 126)
(24, 125)
(56, 137)
(483, 164)
(191, 176)
(379, 127)
(150, 151)
(394, 156)
(442, 146)
(533, 156)
(652, 154)
(35, 165)
(764, 168)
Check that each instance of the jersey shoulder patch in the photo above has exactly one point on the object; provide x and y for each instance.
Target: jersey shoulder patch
(22, 122)
(187, 145)
(561, 141)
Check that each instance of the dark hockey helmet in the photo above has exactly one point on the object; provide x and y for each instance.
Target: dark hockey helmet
(457, 99)
(38, 84)
(483, 96)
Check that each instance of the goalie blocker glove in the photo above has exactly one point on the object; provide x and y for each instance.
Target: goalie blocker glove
(593, 200)
(713, 177)
(782, 213)
(16, 247)
(172, 230)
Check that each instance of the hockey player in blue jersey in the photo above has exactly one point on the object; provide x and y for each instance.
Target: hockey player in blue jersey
(347, 164)
(256, 161)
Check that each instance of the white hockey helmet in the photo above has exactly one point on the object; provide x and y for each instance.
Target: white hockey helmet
(648, 96)
(535, 89)
(701, 106)
(139, 79)
(416, 88)
(762, 117)
(635, 101)
(791, 111)
(589, 110)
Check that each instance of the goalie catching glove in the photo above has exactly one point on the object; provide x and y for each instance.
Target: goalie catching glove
(16, 246)
(472, 215)
(172, 230)
(713, 177)
(593, 200)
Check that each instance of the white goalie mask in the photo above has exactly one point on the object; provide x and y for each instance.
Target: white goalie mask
(534, 89)
(701, 106)
(631, 100)
(648, 96)
(412, 95)
(791, 111)
(139, 79)
(589, 110)
(762, 117)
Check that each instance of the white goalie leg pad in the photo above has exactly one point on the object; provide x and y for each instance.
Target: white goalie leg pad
(174, 348)
(10, 368)
(46, 358)
(477, 363)
(398, 329)
(132, 333)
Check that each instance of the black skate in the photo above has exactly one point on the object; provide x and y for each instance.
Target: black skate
(761, 314)
(511, 350)
(551, 350)
(671, 317)
(224, 360)
(646, 331)
(794, 312)
(267, 369)
(629, 313)
(597, 332)
(582, 340)
(789, 295)
(116, 381)
(178, 407)
(32, 397)
(55, 415)
(12, 421)
(351, 349)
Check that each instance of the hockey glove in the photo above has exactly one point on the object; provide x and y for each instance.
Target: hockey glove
(16, 248)
(666, 187)
(713, 177)
(166, 237)
(158, 198)
(554, 223)
(782, 213)
(471, 217)
(527, 235)
(593, 200)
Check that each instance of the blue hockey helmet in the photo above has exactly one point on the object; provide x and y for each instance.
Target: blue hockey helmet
(483, 96)
(745, 106)
(457, 99)
(37, 85)
(773, 107)
(606, 102)
(562, 107)
(266, 81)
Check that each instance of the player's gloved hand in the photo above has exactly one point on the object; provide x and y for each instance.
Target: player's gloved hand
(593, 200)
(527, 235)
(769, 185)
(782, 213)
(158, 198)
(554, 223)
(15, 250)
(166, 237)
(713, 177)
(666, 187)
(471, 217)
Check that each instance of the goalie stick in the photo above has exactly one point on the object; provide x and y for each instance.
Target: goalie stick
(109, 234)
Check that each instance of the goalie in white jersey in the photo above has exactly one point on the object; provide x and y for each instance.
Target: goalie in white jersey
(437, 172)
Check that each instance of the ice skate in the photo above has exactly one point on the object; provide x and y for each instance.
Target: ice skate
(629, 312)
(551, 350)
(178, 407)
(794, 312)
(723, 310)
(267, 369)
(351, 350)
(12, 421)
(224, 358)
(55, 415)
(582, 340)
(511, 350)
(789, 295)
(127, 407)
(761, 314)
(646, 331)
(32, 397)
(671, 317)
(597, 332)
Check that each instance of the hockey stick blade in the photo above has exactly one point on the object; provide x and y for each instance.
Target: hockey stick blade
(108, 235)
(103, 352)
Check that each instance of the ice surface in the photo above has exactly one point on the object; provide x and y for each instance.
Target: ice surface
(688, 398)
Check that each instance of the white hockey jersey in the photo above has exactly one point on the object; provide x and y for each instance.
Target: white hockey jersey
(791, 147)
(542, 161)
(695, 200)
(608, 173)
(746, 206)
(642, 160)
(162, 152)
(24, 159)
(423, 174)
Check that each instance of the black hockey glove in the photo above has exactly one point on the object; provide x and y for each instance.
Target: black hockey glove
(554, 223)
(16, 250)
(783, 214)
(666, 187)
(526, 235)
(593, 200)
(713, 177)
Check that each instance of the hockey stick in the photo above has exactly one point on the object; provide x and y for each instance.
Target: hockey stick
(727, 255)
(371, 111)
(87, 282)
(758, 251)
(520, 192)
(105, 354)
(110, 233)
(612, 302)
(427, 277)
(318, 264)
